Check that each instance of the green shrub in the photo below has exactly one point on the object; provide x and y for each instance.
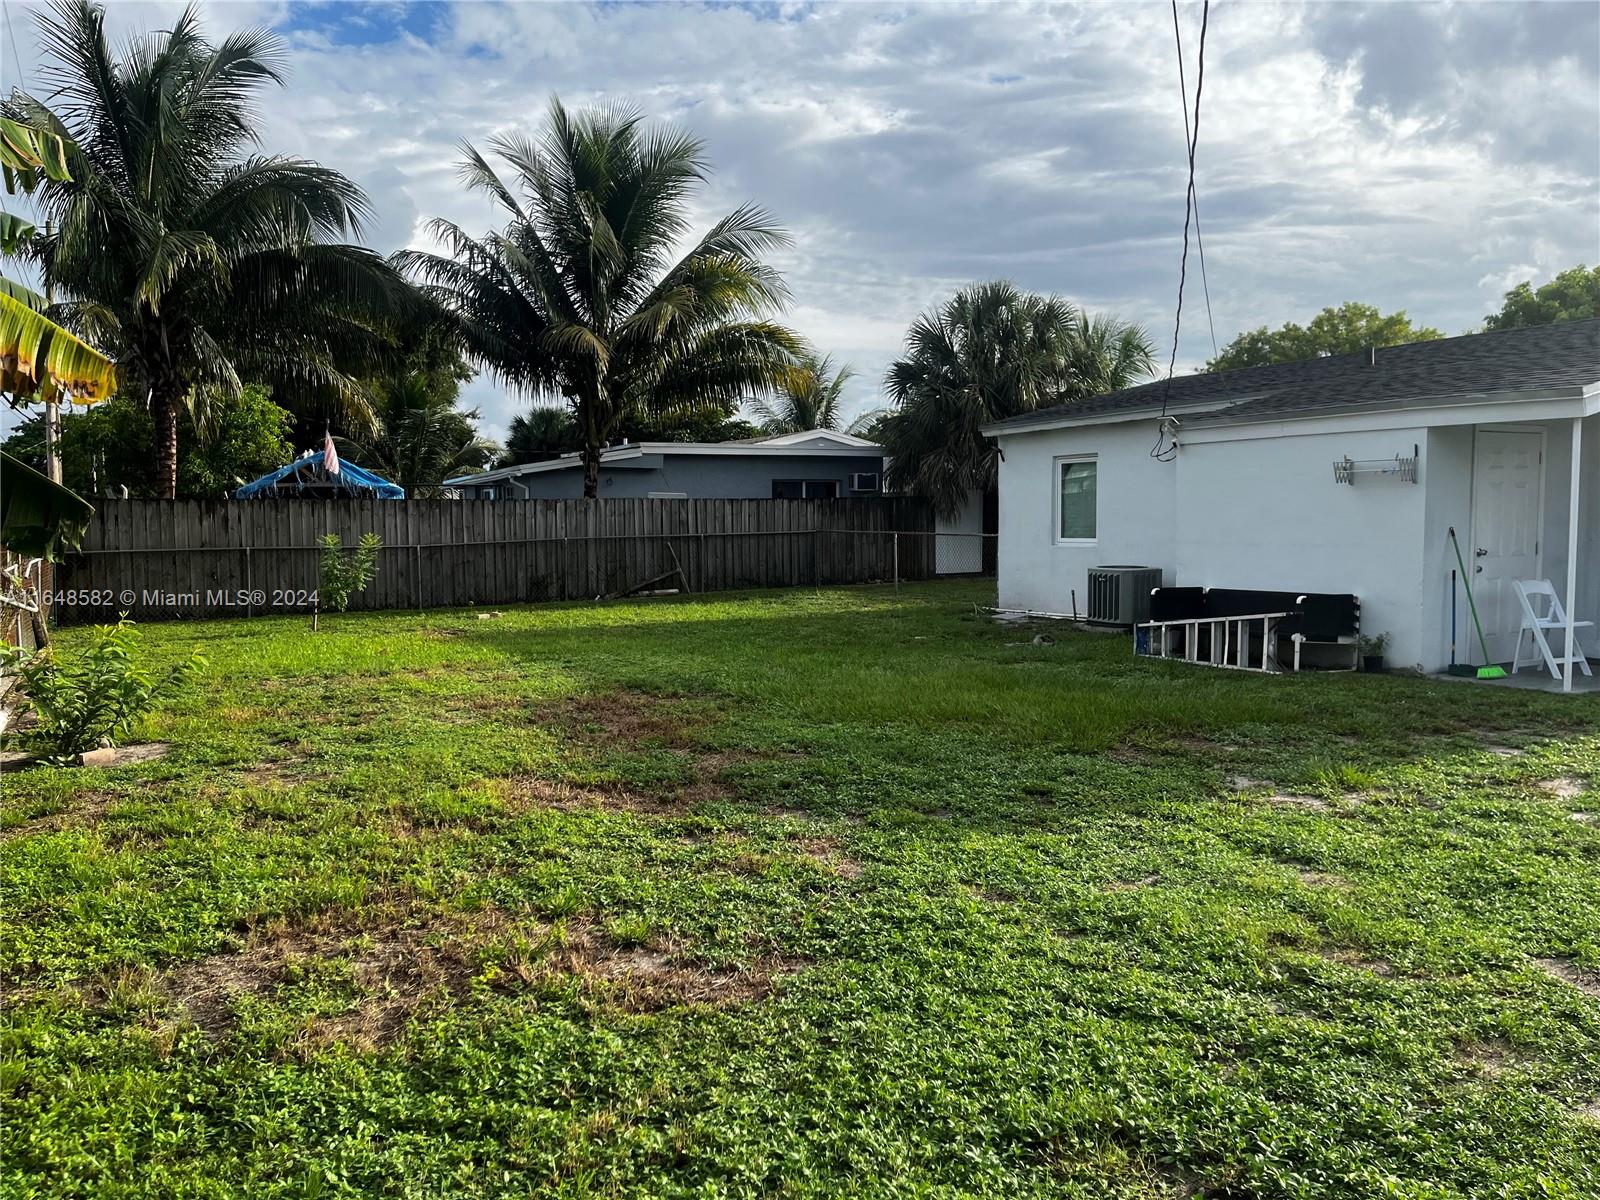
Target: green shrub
(93, 698)
(345, 572)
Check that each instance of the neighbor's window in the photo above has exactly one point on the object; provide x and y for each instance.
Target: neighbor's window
(805, 489)
(1078, 485)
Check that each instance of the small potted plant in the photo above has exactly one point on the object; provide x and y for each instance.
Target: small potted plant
(1372, 649)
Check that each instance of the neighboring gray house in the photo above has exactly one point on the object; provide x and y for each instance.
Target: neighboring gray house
(816, 465)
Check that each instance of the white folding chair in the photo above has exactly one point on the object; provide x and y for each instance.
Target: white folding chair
(1531, 592)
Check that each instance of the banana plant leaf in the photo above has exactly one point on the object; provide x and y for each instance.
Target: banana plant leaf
(38, 518)
(37, 356)
(10, 287)
(25, 149)
(15, 232)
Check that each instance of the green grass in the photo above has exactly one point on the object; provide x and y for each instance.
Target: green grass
(847, 893)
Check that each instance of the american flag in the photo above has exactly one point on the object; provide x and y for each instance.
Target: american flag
(330, 456)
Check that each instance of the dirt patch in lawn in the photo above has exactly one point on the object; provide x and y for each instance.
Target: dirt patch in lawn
(632, 719)
(1490, 1056)
(1565, 788)
(1357, 961)
(388, 936)
(1291, 800)
(394, 969)
(710, 777)
(1319, 879)
(531, 791)
(651, 977)
(1133, 885)
(84, 810)
(415, 959)
(1587, 982)
(278, 772)
(1504, 751)
(126, 756)
(1302, 803)
(829, 854)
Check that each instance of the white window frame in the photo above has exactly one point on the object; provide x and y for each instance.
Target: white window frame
(1060, 461)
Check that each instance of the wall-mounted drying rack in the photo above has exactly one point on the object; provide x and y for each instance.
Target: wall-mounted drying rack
(1401, 468)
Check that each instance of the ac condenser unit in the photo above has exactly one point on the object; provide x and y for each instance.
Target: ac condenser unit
(1120, 595)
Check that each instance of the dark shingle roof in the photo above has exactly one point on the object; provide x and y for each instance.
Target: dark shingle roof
(1546, 356)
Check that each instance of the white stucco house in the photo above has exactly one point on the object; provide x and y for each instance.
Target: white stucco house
(1340, 474)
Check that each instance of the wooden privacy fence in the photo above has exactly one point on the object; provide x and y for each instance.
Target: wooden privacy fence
(164, 559)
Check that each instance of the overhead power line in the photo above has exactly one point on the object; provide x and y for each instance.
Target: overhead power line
(11, 36)
(1192, 135)
(1194, 195)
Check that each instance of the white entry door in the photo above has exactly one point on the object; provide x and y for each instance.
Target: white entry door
(1507, 477)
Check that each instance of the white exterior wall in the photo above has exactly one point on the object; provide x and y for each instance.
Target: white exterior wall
(1134, 513)
(1257, 507)
(1262, 510)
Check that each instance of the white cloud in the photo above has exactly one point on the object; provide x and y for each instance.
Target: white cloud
(1417, 157)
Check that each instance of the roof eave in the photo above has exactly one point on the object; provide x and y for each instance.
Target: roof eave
(683, 449)
(1439, 400)
(1106, 417)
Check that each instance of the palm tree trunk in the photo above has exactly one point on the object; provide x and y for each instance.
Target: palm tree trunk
(594, 441)
(164, 412)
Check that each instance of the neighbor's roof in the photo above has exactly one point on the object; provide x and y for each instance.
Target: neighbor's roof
(782, 446)
(1564, 356)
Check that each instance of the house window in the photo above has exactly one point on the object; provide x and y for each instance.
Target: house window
(805, 489)
(1077, 488)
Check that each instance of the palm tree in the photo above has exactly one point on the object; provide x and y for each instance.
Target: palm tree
(543, 433)
(423, 438)
(192, 264)
(989, 352)
(1105, 355)
(578, 296)
(808, 396)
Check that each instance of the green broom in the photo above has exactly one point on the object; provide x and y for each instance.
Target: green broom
(1485, 672)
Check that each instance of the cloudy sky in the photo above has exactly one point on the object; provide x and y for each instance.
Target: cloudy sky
(1415, 156)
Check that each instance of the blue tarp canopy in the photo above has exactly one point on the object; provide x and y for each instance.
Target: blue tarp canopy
(305, 476)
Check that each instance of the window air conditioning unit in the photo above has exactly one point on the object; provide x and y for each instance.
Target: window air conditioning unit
(1120, 595)
(865, 481)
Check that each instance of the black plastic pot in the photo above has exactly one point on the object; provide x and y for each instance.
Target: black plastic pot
(1372, 662)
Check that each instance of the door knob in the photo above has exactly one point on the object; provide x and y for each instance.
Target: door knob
(1477, 570)
(1480, 552)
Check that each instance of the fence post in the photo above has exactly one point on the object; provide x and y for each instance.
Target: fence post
(249, 585)
(897, 561)
(416, 571)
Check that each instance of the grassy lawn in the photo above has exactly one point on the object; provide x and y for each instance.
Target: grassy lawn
(799, 894)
